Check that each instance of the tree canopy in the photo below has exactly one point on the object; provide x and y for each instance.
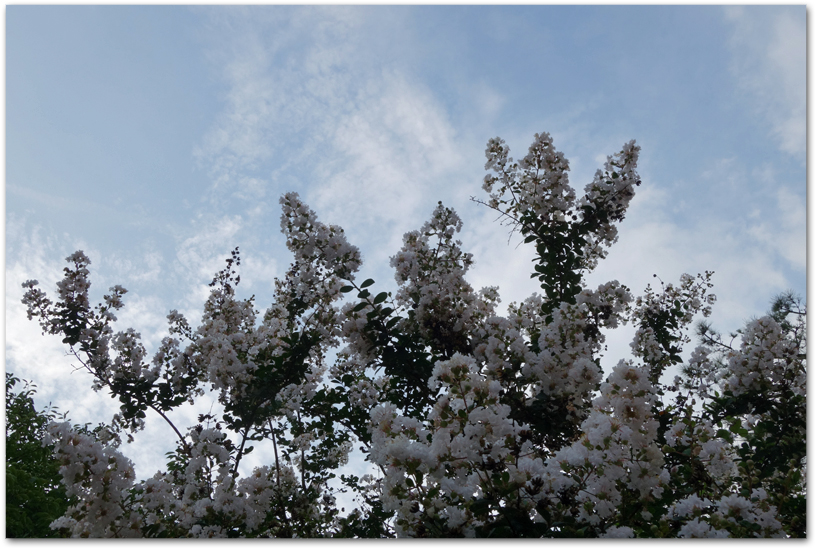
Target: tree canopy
(34, 495)
(473, 423)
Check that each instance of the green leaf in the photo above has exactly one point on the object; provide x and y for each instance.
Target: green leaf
(381, 297)
(346, 289)
(392, 322)
(366, 283)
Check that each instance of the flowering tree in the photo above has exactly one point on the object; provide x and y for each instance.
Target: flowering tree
(474, 424)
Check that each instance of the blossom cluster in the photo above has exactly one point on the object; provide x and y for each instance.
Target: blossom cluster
(199, 499)
(767, 361)
(617, 452)
(539, 181)
(430, 271)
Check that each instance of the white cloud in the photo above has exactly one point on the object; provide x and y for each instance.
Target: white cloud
(786, 231)
(204, 253)
(769, 62)
(499, 260)
(762, 209)
(258, 271)
(146, 268)
(147, 315)
(391, 153)
(488, 101)
(277, 85)
(311, 102)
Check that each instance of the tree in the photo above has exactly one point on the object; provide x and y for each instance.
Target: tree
(474, 424)
(34, 495)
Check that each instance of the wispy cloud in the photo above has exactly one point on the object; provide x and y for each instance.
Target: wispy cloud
(285, 77)
(144, 269)
(202, 254)
(769, 60)
(784, 232)
(391, 153)
(309, 106)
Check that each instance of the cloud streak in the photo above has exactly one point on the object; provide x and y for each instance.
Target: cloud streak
(769, 61)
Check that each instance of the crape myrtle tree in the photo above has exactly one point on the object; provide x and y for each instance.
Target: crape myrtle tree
(473, 423)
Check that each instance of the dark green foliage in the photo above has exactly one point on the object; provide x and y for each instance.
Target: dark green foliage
(34, 495)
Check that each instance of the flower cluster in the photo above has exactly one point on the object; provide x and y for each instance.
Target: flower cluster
(100, 478)
(607, 198)
(664, 318)
(538, 184)
(321, 252)
(200, 498)
(565, 365)
(766, 362)
(617, 455)
(434, 473)
(748, 516)
(430, 270)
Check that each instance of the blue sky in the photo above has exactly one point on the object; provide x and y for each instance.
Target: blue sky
(158, 138)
